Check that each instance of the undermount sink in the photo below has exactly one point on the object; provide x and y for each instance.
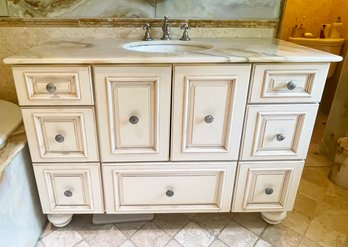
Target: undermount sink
(167, 46)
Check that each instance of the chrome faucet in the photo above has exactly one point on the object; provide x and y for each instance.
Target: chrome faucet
(166, 29)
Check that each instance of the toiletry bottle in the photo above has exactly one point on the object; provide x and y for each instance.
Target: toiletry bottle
(322, 31)
(294, 29)
(336, 28)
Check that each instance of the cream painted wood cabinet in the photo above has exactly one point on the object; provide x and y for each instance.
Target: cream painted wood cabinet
(143, 138)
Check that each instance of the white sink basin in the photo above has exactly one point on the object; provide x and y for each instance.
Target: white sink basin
(166, 46)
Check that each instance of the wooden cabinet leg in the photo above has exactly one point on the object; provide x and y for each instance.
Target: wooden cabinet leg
(273, 217)
(59, 220)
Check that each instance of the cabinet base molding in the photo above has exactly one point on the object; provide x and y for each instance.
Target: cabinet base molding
(273, 218)
(59, 220)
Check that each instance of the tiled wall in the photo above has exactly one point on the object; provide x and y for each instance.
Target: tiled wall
(16, 39)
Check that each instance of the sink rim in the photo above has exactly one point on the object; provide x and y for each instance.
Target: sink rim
(178, 43)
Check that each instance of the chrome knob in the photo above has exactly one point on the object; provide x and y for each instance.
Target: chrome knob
(133, 120)
(59, 138)
(68, 193)
(170, 193)
(291, 85)
(51, 88)
(268, 191)
(280, 137)
(209, 119)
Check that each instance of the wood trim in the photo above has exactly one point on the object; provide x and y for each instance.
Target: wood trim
(134, 22)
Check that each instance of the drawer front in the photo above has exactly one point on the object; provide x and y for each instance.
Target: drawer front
(53, 85)
(73, 188)
(208, 111)
(278, 131)
(60, 135)
(278, 83)
(167, 187)
(133, 107)
(266, 186)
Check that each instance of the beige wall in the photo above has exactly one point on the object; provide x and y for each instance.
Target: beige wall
(317, 12)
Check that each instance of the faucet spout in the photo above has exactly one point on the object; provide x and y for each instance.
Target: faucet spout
(166, 29)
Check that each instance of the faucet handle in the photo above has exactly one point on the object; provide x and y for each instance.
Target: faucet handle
(147, 36)
(185, 35)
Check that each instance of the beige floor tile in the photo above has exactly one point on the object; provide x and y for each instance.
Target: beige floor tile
(251, 221)
(262, 243)
(194, 235)
(127, 243)
(48, 229)
(312, 190)
(218, 243)
(309, 243)
(104, 237)
(171, 223)
(329, 229)
(150, 236)
(306, 205)
(281, 236)
(62, 238)
(297, 221)
(213, 223)
(236, 235)
(173, 243)
(316, 176)
(129, 229)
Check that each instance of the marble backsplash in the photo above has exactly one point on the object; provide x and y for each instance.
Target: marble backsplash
(16, 39)
(203, 9)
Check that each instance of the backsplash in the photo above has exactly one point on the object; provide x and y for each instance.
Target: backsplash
(203, 9)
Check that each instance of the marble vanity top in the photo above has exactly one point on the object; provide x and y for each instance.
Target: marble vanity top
(223, 50)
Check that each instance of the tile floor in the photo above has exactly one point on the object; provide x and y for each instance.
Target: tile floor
(319, 219)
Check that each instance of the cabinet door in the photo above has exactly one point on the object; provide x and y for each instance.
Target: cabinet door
(69, 188)
(288, 83)
(168, 187)
(278, 131)
(266, 186)
(61, 134)
(53, 85)
(133, 107)
(208, 111)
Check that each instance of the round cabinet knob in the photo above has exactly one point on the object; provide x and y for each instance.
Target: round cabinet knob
(280, 137)
(170, 193)
(291, 85)
(133, 120)
(209, 119)
(68, 193)
(51, 88)
(268, 191)
(59, 138)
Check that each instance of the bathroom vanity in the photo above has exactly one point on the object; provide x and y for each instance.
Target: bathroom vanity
(122, 127)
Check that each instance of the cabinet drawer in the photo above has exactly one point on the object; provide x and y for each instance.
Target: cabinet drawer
(278, 131)
(278, 83)
(73, 188)
(266, 186)
(133, 107)
(60, 135)
(208, 111)
(53, 85)
(167, 187)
